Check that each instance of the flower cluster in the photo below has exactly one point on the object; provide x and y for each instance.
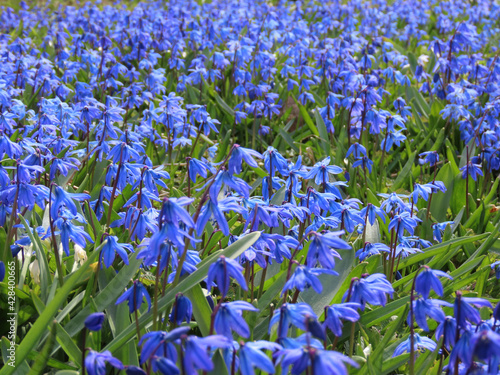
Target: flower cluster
(247, 184)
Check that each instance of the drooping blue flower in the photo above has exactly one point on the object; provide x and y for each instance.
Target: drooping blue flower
(67, 231)
(464, 310)
(321, 171)
(447, 329)
(419, 343)
(371, 212)
(471, 169)
(364, 163)
(172, 212)
(94, 321)
(496, 267)
(182, 309)
(241, 153)
(229, 318)
(485, 345)
(304, 277)
(438, 229)
(135, 297)
(338, 312)
(251, 355)
(331, 362)
(291, 314)
(111, 247)
(403, 221)
(428, 279)
(274, 161)
(160, 342)
(321, 249)
(165, 366)
(198, 167)
(134, 370)
(371, 249)
(62, 198)
(195, 352)
(221, 271)
(430, 157)
(423, 307)
(95, 362)
(372, 289)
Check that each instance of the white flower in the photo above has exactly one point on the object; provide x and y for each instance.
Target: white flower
(423, 59)
(35, 271)
(80, 255)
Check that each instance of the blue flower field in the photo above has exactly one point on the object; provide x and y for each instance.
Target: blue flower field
(250, 187)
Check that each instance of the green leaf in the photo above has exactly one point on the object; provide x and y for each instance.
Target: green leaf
(438, 248)
(307, 118)
(323, 133)
(404, 173)
(45, 276)
(106, 297)
(441, 201)
(232, 251)
(201, 308)
(39, 327)
(331, 284)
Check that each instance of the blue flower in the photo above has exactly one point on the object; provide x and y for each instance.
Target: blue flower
(419, 343)
(251, 356)
(471, 169)
(372, 289)
(321, 171)
(447, 329)
(62, 198)
(291, 314)
(95, 362)
(465, 312)
(195, 352)
(496, 266)
(485, 346)
(364, 163)
(438, 229)
(462, 350)
(94, 321)
(427, 307)
(135, 296)
(220, 272)
(229, 318)
(331, 362)
(160, 342)
(165, 366)
(321, 249)
(429, 278)
(371, 249)
(274, 161)
(431, 157)
(338, 312)
(371, 211)
(357, 150)
(197, 167)
(134, 370)
(241, 153)
(172, 212)
(304, 277)
(182, 310)
(403, 221)
(67, 231)
(111, 247)
(2, 271)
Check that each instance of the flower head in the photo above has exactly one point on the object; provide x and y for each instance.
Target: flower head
(94, 321)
